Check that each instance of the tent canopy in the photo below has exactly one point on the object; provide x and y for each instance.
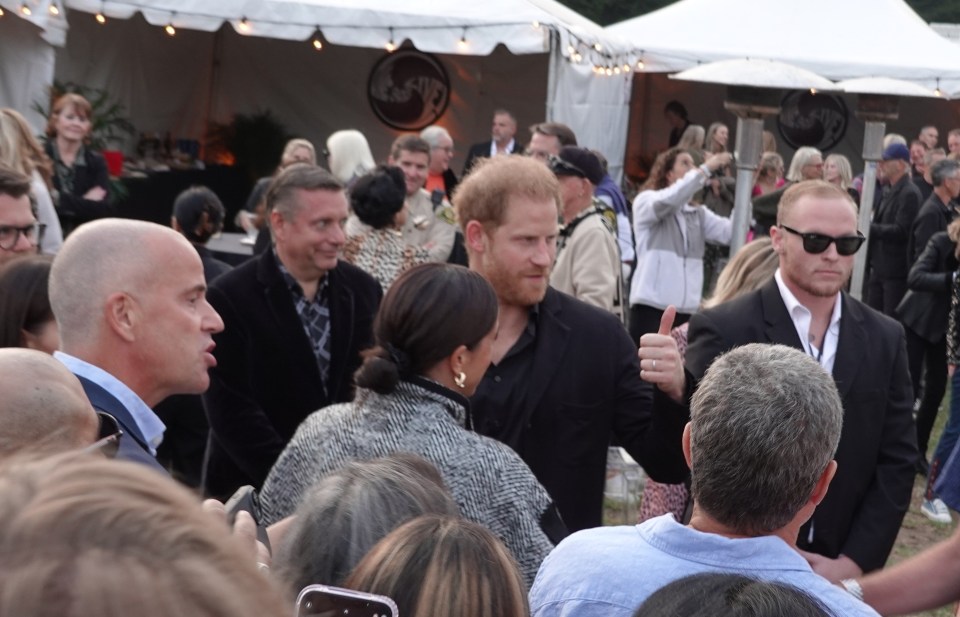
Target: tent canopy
(839, 40)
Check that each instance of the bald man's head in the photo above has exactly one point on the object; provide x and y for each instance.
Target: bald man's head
(98, 259)
(43, 408)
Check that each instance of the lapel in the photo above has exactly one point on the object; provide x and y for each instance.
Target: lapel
(288, 326)
(341, 302)
(553, 334)
(779, 325)
(851, 346)
(104, 401)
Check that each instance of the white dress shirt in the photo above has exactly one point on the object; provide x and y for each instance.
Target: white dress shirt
(801, 317)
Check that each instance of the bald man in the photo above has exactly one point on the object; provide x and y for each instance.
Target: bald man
(135, 325)
(43, 408)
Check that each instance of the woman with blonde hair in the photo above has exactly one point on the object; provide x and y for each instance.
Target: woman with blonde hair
(21, 151)
(718, 134)
(837, 170)
(436, 566)
(748, 270)
(691, 140)
(769, 174)
(83, 536)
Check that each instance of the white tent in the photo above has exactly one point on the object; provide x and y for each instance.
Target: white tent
(233, 56)
(839, 40)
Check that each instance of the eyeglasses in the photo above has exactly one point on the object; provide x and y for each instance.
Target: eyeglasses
(108, 436)
(9, 236)
(815, 244)
(561, 167)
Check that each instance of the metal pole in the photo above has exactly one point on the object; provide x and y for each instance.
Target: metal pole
(872, 150)
(749, 144)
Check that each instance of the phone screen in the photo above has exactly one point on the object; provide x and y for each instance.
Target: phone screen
(323, 601)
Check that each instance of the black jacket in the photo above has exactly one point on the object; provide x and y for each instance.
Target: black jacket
(925, 307)
(482, 151)
(891, 229)
(266, 380)
(934, 216)
(870, 494)
(585, 390)
(72, 208)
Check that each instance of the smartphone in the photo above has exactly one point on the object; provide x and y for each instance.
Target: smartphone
(324, 601)
(245, 499)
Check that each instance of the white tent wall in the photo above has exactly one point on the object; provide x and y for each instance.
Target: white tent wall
(649, 131)
(170, 83)
(596, 108)
(26, 68)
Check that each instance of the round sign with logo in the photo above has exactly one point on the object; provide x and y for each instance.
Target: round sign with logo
(807, 119)
(408, 89)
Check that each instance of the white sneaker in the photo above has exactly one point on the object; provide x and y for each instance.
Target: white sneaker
(936, 511)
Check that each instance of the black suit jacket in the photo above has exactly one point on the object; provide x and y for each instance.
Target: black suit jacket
(482, 151)
(585, 389)
(925, 307)
(934, 216)
(891, 229)
(869, 495)
(266, 380)
(133, 445)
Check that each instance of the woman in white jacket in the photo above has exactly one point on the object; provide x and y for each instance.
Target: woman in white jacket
(670, 234)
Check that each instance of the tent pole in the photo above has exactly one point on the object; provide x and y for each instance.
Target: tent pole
(872, 146)
(749, 143)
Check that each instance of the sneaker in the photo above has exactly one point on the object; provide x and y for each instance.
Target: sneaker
(936, 510)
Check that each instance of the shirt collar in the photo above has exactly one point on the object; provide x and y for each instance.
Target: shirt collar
(292, 283)
(149, 424)
(793, 305)
(493, 147)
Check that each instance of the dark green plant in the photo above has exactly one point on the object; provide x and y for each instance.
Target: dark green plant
(255, 140)
(110, 123)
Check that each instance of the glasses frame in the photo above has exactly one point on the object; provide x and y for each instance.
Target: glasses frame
(18, 231)
(108, 436)
(811, 241)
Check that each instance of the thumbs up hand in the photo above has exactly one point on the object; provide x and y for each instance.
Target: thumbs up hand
(660, 361)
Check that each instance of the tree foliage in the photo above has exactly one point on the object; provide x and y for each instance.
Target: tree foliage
(606, 12)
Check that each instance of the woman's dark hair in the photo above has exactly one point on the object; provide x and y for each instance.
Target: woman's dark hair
(24, 303)
(378, 196)
(661, 167)
(199, 213)
(731, 595)
(428, 312)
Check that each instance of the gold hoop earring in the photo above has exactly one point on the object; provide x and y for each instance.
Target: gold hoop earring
(460, 379)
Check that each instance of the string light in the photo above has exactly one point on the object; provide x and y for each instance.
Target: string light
(598, 46)
(640, 65)
(170, 30)
(25, 9)
(813, 90)
(54, 9)
(316, 42)
(391, 46)
(616, 70)
(577, 57)
(536, 25)
(100, 18)
(937, 92)
(626, 67)
(244, 25)
(462, 43)
(2, 13)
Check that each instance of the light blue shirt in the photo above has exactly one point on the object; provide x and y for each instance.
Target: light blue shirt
(610, 571)
(149, 424)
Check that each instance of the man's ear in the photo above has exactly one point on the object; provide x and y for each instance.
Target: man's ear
(122, 315)
(475, 236)
(820, 490)
(685, 443)
(277, 223)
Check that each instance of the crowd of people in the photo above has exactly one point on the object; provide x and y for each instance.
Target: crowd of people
(411, 388)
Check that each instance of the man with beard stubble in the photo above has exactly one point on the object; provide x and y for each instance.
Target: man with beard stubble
(564, 378)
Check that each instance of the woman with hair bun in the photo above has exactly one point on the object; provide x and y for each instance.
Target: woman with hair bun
(434, 334)
(198, 214)
(376, 244)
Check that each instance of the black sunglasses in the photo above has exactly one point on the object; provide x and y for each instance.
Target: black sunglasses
(815, 244)
(108, 436)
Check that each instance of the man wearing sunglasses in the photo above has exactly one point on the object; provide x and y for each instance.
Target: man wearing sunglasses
(806, 306)
(19, 230)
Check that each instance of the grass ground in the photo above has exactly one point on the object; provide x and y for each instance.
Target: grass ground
(917, 532)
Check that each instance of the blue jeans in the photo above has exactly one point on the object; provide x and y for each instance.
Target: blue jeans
(943, 478)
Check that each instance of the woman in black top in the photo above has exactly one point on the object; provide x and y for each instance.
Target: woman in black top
(80, 179)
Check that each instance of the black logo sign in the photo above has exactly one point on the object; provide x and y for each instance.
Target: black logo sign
(818, 120)
(408, 89)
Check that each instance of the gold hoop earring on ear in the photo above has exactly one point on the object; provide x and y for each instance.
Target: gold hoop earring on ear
(460, 379)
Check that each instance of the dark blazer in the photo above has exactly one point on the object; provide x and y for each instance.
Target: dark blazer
(869, 495)
(891, 228)
(925, 307)
(266, 380)
(133, 445)
(585, 389)
(482, 151)
(72, 208)
(934, 216)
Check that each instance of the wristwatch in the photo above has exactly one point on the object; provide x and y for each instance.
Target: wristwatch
(853, 588)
